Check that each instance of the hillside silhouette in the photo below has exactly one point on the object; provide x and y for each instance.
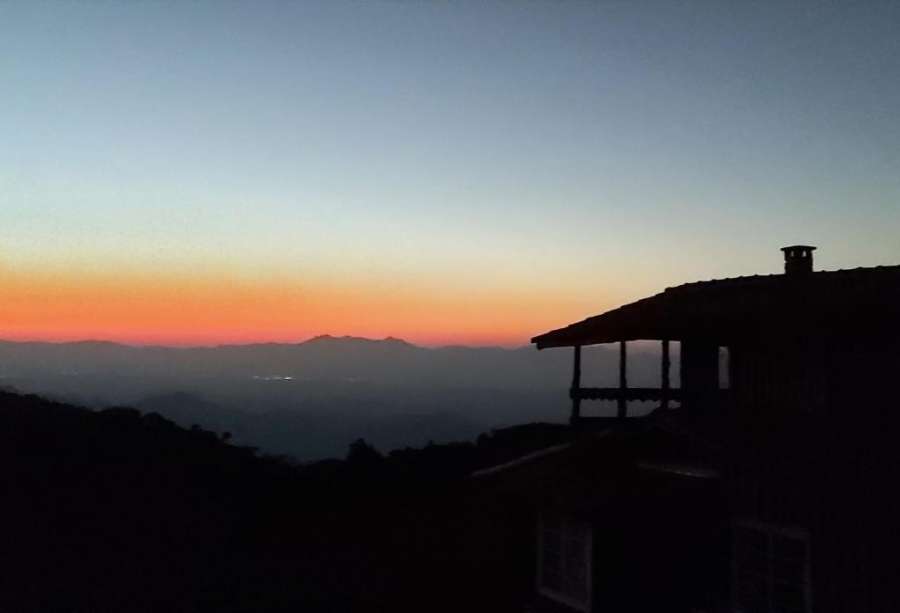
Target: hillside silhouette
(118, 510)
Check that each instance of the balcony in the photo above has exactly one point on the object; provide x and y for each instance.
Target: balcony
(638, 394)
(623, 393)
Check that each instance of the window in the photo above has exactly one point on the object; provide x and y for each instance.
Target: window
(724, 368)
(771, 569)
(564, 560)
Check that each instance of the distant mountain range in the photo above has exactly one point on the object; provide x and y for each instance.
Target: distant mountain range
(310, 399)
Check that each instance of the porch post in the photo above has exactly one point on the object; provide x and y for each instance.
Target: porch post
(574, 391)
(623, 380)
(666, 365)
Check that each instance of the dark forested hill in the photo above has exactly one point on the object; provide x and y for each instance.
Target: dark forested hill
(120, 511)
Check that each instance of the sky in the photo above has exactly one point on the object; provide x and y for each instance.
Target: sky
(448, 172)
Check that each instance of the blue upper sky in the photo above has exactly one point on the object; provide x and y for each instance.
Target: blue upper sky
(628, 145)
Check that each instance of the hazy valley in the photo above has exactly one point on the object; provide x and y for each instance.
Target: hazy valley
(310, 400)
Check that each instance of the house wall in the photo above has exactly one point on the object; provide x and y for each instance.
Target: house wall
(772, 377)
(861, 448)
(700, 374)
(668, 549)
(821, 425)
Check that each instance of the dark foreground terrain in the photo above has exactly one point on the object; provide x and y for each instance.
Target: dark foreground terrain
(116, 510)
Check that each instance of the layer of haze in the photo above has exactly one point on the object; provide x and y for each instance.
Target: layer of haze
(448, 172)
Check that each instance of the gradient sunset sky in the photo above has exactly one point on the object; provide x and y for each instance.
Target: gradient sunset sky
(467, 172)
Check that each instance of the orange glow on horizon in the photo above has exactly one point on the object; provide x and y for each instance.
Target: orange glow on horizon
(149, 309)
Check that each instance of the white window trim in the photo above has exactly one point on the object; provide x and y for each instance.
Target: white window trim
(769, 530)
(553, 594)
(725, 369)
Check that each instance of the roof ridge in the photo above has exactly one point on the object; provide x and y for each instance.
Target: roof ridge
(858, 269)
(864, 285)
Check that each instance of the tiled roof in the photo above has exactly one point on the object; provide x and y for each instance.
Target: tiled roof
(745, 305)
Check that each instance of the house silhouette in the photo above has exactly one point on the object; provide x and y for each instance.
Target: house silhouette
(761, 483)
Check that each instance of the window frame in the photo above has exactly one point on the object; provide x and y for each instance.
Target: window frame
(770, 531)
(725, 369)
(567, 525)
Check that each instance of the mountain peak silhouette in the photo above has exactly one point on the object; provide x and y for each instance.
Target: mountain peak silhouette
(359, 340)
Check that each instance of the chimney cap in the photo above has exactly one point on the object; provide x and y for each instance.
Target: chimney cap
(799, 247)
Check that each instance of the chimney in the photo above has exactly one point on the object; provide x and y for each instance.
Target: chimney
(798, 259)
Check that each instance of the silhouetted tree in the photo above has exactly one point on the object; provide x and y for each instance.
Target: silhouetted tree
(362, 453)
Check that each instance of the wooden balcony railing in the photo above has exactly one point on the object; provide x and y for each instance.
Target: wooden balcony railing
(639, 394)
(622, 394)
